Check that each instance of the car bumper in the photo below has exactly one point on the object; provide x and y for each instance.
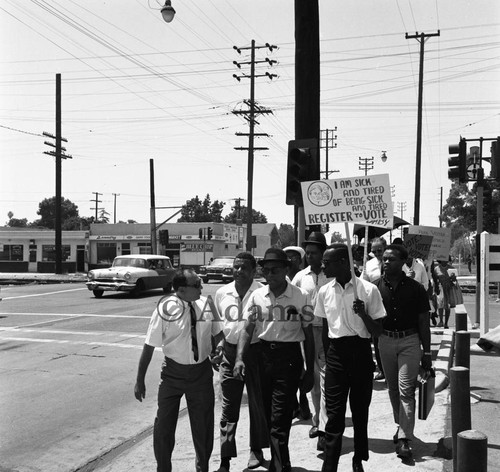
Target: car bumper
(111, 286)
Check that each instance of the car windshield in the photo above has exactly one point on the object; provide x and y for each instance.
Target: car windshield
(220, 262)
(126, 262)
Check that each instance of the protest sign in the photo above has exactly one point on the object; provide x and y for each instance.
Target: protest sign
(365, 200)
(418, 245)
(441, 240)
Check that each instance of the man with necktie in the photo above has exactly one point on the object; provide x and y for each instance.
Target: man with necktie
(185, 328)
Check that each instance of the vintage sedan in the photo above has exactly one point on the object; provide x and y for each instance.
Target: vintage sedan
(133, 273)
(221, 268)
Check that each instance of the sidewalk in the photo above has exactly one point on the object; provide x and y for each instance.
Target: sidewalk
(304, 457)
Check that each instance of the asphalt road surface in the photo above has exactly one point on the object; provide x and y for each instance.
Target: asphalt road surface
(68, 370)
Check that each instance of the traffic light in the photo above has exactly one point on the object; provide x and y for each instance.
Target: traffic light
(495, 159)
(200, 233)
(164, 237)
(302, 166)
(209, 233)
(458, 164)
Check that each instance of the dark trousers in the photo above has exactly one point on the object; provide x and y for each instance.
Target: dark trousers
(232, 391)
(281, 370)
(349, 374)
(194, 381)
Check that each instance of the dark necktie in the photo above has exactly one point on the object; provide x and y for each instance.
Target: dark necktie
(194, 341)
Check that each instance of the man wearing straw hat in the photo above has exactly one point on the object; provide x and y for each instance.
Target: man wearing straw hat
(352, 312)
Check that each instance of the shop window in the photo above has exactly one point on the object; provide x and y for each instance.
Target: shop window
(125, 249)
(49, 252)
(106, 252)
(144, 248)
(12, 252)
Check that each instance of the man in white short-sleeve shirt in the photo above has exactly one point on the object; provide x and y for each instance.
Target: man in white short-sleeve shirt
(351, 315)
(183, 326)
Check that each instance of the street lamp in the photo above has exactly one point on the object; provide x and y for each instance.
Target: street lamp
(383, 156)
(167, 11)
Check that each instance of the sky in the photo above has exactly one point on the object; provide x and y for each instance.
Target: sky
(135, 88)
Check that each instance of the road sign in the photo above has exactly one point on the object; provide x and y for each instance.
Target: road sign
(472, 171)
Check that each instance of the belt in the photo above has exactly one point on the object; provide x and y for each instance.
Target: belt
(400, 334)
(277, 344)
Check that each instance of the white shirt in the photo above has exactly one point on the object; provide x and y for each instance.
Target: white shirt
(273, 320)
(335, 304)
(232, 310)
(170, 329)
(311, 282)
(372, 270)
(420, 272)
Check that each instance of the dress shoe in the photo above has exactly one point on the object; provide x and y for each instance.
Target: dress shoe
(357, 466)
(314, 432)
(255, 460)
(222, 469)
(321, 443)
(380, 376)
(403, 449)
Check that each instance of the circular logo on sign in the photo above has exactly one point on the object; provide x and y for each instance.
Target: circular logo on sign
(319, 194)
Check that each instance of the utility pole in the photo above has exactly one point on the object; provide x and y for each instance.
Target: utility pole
(421, 38)
(326, 141)
(58, 154)
(307, 87)
(114, 206)
(401, 209)
(97, 201)
(441, 207)
(250, 114)
(365, 164)
(154, 248)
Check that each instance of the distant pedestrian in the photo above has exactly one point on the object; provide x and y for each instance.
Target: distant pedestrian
(184, 328)
(443, 281)
(280, 316)
(296, 256)
(231, 302)
(348, 323)
(405, 343)
(469, 263)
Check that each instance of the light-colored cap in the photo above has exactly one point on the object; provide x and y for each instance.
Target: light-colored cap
(296, 249)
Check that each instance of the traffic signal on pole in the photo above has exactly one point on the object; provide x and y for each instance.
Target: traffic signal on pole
(302, 166)
(209, 233)
(495, 159)
(458, 163)
(487, 197)
(164, 237)
(200, 233)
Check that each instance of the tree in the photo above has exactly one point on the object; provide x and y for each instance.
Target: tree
(47, 211)
(197, 211)
(16, 222)
(286, 235)
(336, 237)
(257, 216)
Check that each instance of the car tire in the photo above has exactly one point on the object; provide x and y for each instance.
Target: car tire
(139, 287)
(168, 288)
(98, 293)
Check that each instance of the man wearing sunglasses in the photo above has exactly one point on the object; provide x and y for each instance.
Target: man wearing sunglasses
(350, 316)
(280, 314)
(231, 302)
(183, 326)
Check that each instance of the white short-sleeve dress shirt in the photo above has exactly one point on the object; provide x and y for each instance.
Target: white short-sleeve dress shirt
(233, 311)
(280, 319)
(335, 304)
(170, 329)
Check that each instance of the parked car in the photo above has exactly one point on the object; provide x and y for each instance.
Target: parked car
(132, 273)
(221, 268)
